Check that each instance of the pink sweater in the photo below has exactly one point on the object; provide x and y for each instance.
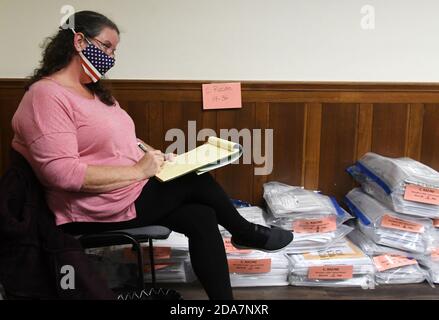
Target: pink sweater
(60, 133)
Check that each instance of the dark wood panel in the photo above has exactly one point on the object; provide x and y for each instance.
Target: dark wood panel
(237, 178)
(337, 148)
(311, 162)
(287, 122)
(430, 136)
(139, 112)
(262, 122)
(319, 128)
(414, 131)
(364, 129)
(156, 133)
(389, 129)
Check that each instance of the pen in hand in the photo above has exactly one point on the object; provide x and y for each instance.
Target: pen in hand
(141, 146)
(144, 149)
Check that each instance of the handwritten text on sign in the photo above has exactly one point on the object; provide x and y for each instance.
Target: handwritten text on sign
(315, 225)
(390, 261)
(222, 95)
(330, 272)
(401, 224)
(249, 265)
(421, 194)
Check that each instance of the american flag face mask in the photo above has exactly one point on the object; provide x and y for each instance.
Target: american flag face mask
(95, 61)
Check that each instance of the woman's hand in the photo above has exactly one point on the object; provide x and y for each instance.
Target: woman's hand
(150, 164)
(170, 157)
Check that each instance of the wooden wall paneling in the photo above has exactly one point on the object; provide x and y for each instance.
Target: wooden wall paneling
(262, 121)
(414, 131)
(173, 118)
(337, 148)
(139, 112)
(287, 121)
(319, 128)
(156, 131)
(389, 133)
(311, 153)
(430, 136)
(364, 129)
(237, 179)
(177, 115)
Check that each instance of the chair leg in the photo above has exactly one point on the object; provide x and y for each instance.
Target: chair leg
(141, 277)
(151, 259)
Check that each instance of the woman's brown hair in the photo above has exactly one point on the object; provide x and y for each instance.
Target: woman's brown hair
(59, 50)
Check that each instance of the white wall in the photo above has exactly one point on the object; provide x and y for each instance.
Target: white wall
(292, 40)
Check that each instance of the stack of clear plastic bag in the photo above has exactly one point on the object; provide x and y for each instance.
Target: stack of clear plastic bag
(283, 200)
(392, 266)
(257, 269)
(431, 261)
(403, 184)
(387, 227)
(341, 265)
(316, 220)
(305, 242)
(287, 204)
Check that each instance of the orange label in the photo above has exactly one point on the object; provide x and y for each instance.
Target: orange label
(315, 225)
(435, 254)
(249, 265)
(159, 266)
(388, 261)
(222, 95)
(231, 249)
(396, 223)
(330, 272)
(436, 223)
(421, 194)
(159, 253)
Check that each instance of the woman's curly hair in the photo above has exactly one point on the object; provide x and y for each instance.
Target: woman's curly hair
(59, 50)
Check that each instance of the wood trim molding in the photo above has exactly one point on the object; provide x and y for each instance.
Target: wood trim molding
(8, 83)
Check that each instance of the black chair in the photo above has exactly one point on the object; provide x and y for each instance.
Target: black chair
(134, 237)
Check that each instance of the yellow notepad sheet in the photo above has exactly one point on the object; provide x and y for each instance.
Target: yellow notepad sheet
(213, 154)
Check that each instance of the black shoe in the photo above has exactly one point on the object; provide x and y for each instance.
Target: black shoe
(275, 239)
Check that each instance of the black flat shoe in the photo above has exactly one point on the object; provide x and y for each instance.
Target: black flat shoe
(276, 239)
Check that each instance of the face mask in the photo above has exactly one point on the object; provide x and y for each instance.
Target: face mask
(95, 61)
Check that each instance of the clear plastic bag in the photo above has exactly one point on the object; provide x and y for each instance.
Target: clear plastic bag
(316, 220)
(431, 263)
(365, 281)
(343, 254)
(277, 274)
(305, 242)
(386, 180)
(283, 199)
(399, 275)
(332, 211)
(387, 227)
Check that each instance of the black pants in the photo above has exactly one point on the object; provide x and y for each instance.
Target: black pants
(193, 205)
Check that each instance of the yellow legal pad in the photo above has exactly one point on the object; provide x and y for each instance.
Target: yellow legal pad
(213, 154)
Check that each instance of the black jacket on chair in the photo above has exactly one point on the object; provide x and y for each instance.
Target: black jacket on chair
(33, 249)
